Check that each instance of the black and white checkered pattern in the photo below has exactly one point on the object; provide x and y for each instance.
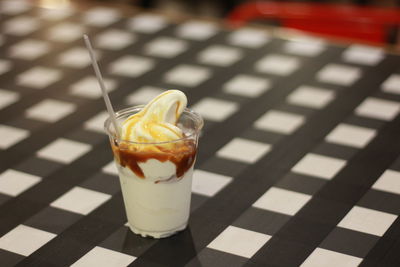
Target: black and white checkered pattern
(299, 162)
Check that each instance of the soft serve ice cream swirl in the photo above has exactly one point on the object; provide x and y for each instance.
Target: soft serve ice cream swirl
(157, 121)
(152, 144)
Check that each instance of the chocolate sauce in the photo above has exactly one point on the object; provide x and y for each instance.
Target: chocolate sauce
(183, 156)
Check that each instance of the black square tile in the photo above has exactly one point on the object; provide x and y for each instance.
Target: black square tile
(301, 183)
(296, 109)
(196, 201)
(387, 96)
(103, 182)
(211, 257)
(262, 221)
(350, 192)
(364, 122)
(262, 136)
(349, 242)
(125, 241)
(4, 198)
(326, 211)
(223, 166)
(87, 137)
(275, 253)
(307, 230)
(335, 150)
(396, 165)
(175, 250)
(231, 97)
(38, 166)
(9, 259)
(53, 220)
(208, 125)
(28, 124)
(382, 201)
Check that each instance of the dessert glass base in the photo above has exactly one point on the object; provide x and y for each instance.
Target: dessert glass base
(156, 178)
(157, 235)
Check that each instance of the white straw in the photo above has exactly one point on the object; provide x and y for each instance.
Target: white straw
(101, 83)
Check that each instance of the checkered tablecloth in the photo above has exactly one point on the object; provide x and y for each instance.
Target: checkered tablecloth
(298, 163)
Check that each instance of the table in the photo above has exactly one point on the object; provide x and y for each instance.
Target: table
(298, 162)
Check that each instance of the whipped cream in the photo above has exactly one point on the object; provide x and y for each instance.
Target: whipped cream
(157, 121)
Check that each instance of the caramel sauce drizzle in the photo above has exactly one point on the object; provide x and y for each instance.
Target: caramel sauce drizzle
(183, 156)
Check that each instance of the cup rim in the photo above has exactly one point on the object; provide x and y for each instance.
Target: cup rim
(109, 129)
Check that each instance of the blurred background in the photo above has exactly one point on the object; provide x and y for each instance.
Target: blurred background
(221, 8)
(374, 22)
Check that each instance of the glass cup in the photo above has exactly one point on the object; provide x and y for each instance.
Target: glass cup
(156, 178)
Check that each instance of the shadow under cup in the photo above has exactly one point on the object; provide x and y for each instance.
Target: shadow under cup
(156, 178)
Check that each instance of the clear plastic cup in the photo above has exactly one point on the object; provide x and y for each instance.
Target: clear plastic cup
(156, 178)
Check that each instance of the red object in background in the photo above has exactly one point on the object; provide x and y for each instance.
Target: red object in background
(378, 25)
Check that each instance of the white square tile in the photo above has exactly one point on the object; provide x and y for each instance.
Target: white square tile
(339, 74)
(65, 32)
(311, 97)
(364, 55)
(114, 39)
(5, 66)
(38, 77)
(319, 166)
(238, 241)
(279, 121)
(110, 168)
(7, 98)
(327, 258)
(21, 25)
(147, 23)
(101, 16)
(25, 240)
(55, 14)
(29, 49)
(143, 95)
(50, 110)
(278, 65)
(244, 150)
(13, 7)
(351, 135)
(197, 30)
(215, 109)
(308, 49)
(389, 181)
(220, 55)
(63, 150)
(282, 201)
(209, 184)
(248, 37)
(80, 200)
(165, 47)
(14, 182)
(102, 257)
(77, 57)
(96, 123)
(247, 85)
(187, 75)
(131, 66)
(367, 221)
(9, 136)
(88, 87)
(380, 109)
(392, 84)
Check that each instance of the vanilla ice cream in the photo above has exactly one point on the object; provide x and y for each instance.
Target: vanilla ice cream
(155, 154)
